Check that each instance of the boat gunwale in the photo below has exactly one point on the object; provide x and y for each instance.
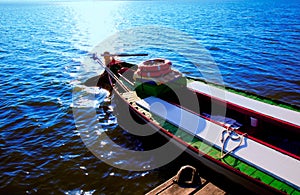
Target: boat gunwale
(191, 148)
(271, 118)
(241, 133)
(249, 95)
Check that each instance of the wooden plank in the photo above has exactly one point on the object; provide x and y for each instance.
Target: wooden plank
(175, 189)
(172, 188)
(186, 182)
(210, 189)
(162, 187)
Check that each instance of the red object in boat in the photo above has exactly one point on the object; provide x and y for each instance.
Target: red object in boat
(154, 68)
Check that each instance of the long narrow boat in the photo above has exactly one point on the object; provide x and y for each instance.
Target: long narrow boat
(253, 143)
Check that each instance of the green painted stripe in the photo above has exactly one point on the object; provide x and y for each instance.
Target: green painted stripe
(245, 168)
(296, 192)
(263, 177)
(230, 160)
(283, 187)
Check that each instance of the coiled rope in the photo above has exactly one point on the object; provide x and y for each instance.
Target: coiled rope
(229, 134)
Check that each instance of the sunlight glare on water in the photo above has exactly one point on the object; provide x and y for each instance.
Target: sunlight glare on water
(96, 21)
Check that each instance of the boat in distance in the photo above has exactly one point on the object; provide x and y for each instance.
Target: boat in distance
(250, 140)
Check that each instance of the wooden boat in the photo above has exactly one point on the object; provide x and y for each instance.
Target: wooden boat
(255, 144)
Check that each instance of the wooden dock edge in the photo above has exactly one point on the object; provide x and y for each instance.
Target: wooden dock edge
(172, 187)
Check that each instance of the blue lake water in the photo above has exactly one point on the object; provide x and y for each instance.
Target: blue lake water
(44, 49)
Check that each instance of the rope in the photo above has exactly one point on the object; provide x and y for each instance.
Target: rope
(110, 74)
(231, 134)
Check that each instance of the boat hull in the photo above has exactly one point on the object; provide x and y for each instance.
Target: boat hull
(240, 170)
(253, 185)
